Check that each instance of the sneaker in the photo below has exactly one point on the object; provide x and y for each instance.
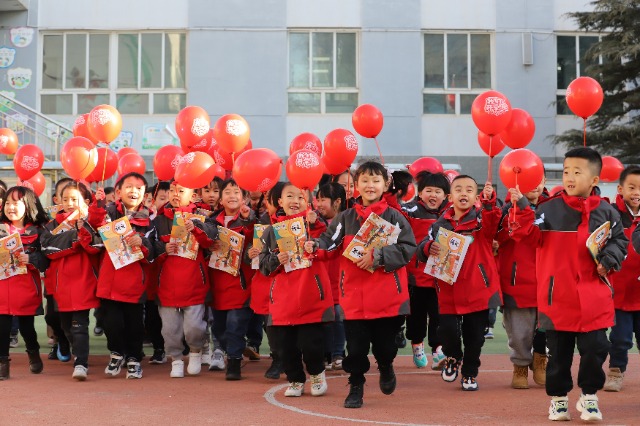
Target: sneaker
(387, 379)
(115, 365)
(53, 353)
(13, 341)
(295, 389)
(401, 341)
(450, 369)
(318, 384)
(98, 331)
(252, 353)
(419, 357)
(469, 384)
(158, 357)
(336, 364)
(438, 359)
(489, 333)
(134, 369)
(64, 355)
(588, 407)
(177, 369)
(355, 399)
(217, 361)
(80, 373)
(559, 409)
(614, 380)
(328, 366)
(195, 363)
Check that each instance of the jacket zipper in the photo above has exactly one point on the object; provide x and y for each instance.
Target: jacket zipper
(57, 281)
(485, 278)
(513, 273)
(319, 284)
(273, 284)
(397, 280)
(202, 275)
(243, 284)
(342, 283)
(550, 297)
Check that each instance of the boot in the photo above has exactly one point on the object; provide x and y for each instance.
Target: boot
(233, 369)
(355, 397)
(539, 368)
(35, 362)
(387, 379)
(275, 370)
(614, 380)
(520, 378)
(4, 367)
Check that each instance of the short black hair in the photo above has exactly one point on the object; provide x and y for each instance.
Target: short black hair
(335, 178)
(231, 182)
(3, 190)
(629, 170)
(333, 191)
(108, 190)
(128, 175)
(61, 184)
(436, 180)
(401, 179)
(373, 168)
(592, 156)
(81, 188)
(274, 194)
(463, 177)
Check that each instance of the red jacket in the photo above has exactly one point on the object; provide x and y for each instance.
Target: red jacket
(73, 271)
(22, 294)
(182, 282)
(626, 283)
(383, 293)
(297, 297)
(260, 284)
(571, 295)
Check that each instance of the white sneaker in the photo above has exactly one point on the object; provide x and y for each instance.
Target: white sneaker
(80, 373)
(318, 384)
(294, 389)
(177, 369)
(217, 361)
(588, 407)
(559, 409)
(195, 363)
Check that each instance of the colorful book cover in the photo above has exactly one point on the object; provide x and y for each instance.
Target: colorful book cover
(187, 244)
(113, 234)
(453, 248)
(258, 230)
(596, 241)
(204, 212)
(66, 224)
(52, 211)
(290, 236)
(228, 256)
(10, 248)
(375, 232)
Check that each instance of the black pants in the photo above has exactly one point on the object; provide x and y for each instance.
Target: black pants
(271, 339)
(124, 327)
(376, 334)
(467, 329)
(540, 342)
(593, 347)
(254, 332)
(52, 318)
(27, 330)
(298, 343)
(153, 325)
(75, 325)
(424, 310)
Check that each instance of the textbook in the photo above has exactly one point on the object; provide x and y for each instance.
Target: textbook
(228, 256)
(453, 248)
(596, 241)
(53, 210)
(187, 244)
(10, 248)
(113, 235)
(290, 236)
(66, 224)
(374, 233)
(258, 230)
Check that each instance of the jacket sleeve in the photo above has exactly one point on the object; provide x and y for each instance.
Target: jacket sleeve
(526, 224)
(36, 257)
(490, 222)
(97, 215)
(61, 245)
(399, 254)
(615, 251)
(422, 252)
(205, 232)
(269, 263)
(90, 240)
(148, 243)
(332, 238)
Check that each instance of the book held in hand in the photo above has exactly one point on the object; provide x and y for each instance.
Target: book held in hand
(258, 230)
(187, 244)
(453, 248)
(596, 242)
(113, 235)
(10, 248)
(290, 236)
(374, 233)
(228, 255)
(67, 223)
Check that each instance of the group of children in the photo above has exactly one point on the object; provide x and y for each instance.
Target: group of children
(554, 293)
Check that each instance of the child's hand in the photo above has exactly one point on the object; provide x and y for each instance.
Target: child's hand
(487, 192)
(253, 252)
(312, 217)
(602, 271)
(171, 247)
(23, 258)
(215, 246)
(283, 257)
(245, 212)
(434, 250)
(79, 224)
(515, 193)
(309, 246)
(366, 261)
(134, 240)
(100, 195)
(188, 225)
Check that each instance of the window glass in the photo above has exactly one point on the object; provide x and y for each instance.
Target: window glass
(56, 104)
(346, 60)
(52, 62)
(170, 103)
(98, 61)
(457, 67)
(299, 60)
(322, 59)
(174, 61)
(128, 61)
(480, 61)
(151, 61)
(341, 102)
(434, 61)
(304, 103)
(566, 46)
(76, 61)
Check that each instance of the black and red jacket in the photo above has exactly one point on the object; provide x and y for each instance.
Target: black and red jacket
(626, 283)
(260, 284)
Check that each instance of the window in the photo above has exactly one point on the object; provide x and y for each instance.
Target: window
(322, 72)
(571, 51)
(457, 68)
(139, 73)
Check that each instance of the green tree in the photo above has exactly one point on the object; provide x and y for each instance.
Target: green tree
(615, 128)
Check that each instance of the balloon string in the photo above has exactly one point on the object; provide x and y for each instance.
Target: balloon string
(104, 166)
(489, 167)
(584, 131)
(379, 152)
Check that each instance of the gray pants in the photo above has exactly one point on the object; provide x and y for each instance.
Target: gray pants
(179, 323)
(520, 324)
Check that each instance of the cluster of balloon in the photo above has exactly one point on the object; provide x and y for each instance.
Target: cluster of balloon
(368, 120)
(422, 164)
(340, 150)
(584, 97)
(257, 169)
(106, 166)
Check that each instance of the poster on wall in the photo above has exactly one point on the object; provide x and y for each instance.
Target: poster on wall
(7, 56)
(17, 122)
(124, 139)
(21, 36)
(5, 104)
(155, 136)
(19, 78)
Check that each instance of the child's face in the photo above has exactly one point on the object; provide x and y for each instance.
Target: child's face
(630, 191)
(14, 209)
(110, 198)
(231, 198)
(211, 194)
(179, 196)
(347, 183)
(271, 209)
(432, 196)
(131, 193)
(326, 208)
(534, 195)
(254, 199)
(292, 200)
(464, 194)
(162, 197)
(578, 177)
(72, 200)
(371, 187)
(148, 200)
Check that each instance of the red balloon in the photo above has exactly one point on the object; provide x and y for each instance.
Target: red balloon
(104, 123)
(451, 174)
(556, 189)
(104, 168)
(491, 147)
(218, 171)
(341, 146)
(166, 161)
(79, 157)
(333, 167)
(523, 168)
(232, 133)
(195, 170)
(80, 127)
(306, 141)
(491, 112)
(584, 96)
(425, 163)
(224, 158)
(36, 183)
(611, 169)
(367, 120)
(257, 169)
(8, 141)
(28, 161)
(131, 163)
(192, 124)
(126, 150)
(411, 192)
(203, 145)
(304, 169)
(520, 130)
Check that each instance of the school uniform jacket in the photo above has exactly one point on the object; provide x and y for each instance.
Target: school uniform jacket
(383, 293)
(626, 283)
(478, 285)
(22, 294)
(182, 282)
(260, 284)
(571, 295)
(302, 296)
(73, 271)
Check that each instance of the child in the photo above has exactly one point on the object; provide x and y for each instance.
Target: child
(122, 291)
(22, 213)
(575, 303)
(432, 201)
(373, 312)
(464, 305)
(110, 194)
(74, 265)
(300, 301)
(626, 295)
(346, 180)
(183, 286)
(210, 194)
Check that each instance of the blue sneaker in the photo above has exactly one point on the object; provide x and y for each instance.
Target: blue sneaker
(419, 357)
(63, 357)
(438, 359)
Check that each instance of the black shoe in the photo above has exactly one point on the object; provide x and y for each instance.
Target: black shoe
(4, 367)
(355, 397)
(275, 370)
(233, 369)
(53, 353)
(387, 379)
(401, 341)
(35, 362)
(159, 357)
(98, 331)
